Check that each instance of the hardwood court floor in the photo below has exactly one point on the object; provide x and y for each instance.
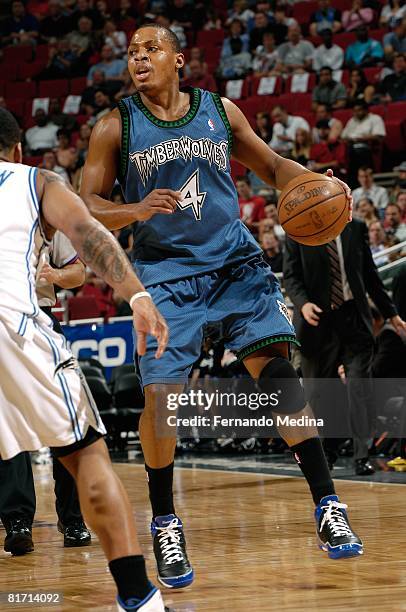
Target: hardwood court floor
(251, 538)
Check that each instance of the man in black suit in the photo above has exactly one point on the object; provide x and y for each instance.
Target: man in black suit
(328, 286)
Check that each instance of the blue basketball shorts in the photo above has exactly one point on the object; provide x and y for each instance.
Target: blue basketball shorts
(245, 298)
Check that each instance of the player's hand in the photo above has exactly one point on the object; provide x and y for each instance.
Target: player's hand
(347, 190)
(399, 325)
(49, 275)
(148, 320)
(311, 313)
(159, 201)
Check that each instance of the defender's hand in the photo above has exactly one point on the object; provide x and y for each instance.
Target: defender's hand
(159, 201)
(398, 324)
(347, 190)
(148, 320)
(49, 274)
(310, 313)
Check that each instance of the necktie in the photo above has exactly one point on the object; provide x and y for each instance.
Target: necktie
(336, 288)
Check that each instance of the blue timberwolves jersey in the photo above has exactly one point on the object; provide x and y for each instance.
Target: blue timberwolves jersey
(190, 155)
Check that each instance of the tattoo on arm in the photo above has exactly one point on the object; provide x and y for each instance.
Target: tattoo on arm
(51, 177)
(101, 252)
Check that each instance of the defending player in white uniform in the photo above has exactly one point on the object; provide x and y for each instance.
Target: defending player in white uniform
(42, 401)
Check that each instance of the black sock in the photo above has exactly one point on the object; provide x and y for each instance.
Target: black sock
(160, 482)
(310, 457)
(130, 577)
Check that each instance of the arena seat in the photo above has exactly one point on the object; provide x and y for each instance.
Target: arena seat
(343, 114)
(42, 53)
(310, 84)
(395, 135)
(256, 81)
(10, 69)
(77, 86)
(378, 34)
(396, 111)
(253, 105)
(302, 102)
(18, 53)
(21, 90)
(83, 308)
(373, 74)
(29, 70)
(302, 11)
(32, 160)
(207, 39)
(343, 39)
(237, 169)
(53, 89)
(378, 109)
(2, 88)
(343, 5)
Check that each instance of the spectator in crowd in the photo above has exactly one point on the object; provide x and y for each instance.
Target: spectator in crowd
(263, 127)
(328, 91)
(393, 86)
(272, 251)
(57, 116)
(198, 54)
(98, 81)
(367, 211)
(103, 11)
(296, 54)
(357, 16)
(56, 24)
(213, 21)
(241, 12)
(393, 11)
(174, 26)
(181, 13)
(358, 87)
(199, 78)
(280, 24)
(66, 155)
(327, 54)
(113, 69)
(302, 146)
(41, 137)
(49, 163)
(252, 207)
(125, 16)
(116, 39)
(284, 130)
(393, 222)
(236, 34)
(127, 89)
(21, 28)
(83, 40)
(266, 56)
(82, 143)
(401, 202)
(270, 223)
(61, 58)
(400, 180)
(395, 42)
(323, 112)
(399, 289)
(377, 242)
(362, 132)
(370, 190)
(84, 9)
(364, 51)
(236, 65)
(325, 17)
(327, 153)
(102, 104)
(261, 25)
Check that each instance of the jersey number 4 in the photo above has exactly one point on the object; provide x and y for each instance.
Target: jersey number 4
(191, 196)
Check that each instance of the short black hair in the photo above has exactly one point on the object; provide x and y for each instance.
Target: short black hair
(10, 133)
(171, 36)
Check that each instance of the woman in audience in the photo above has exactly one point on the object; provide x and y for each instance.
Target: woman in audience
(367, 211)
(358, 87)
(393, 11)
(263, 128)
(302, 146)
(117, 40)
(357, 16)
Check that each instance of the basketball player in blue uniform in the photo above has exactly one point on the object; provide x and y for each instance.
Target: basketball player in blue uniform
(170, 151)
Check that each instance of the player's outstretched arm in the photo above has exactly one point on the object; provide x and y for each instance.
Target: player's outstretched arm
(97, 247)
(99, 175)
(255, 154)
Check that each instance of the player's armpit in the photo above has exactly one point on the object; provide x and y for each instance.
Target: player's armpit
(255, 154)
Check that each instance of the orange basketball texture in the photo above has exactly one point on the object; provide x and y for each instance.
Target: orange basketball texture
(313, 209)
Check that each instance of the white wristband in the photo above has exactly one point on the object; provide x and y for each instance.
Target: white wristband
(140, 294)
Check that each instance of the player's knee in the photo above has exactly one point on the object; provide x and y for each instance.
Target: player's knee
(279, 378)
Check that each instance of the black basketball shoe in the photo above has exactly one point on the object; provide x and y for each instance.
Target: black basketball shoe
(174, 568)
(334, 531)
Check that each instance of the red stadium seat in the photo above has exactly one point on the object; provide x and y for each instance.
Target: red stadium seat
(395, 135)
(42, 53)
(77, 86)
(310, 85)
(209, 38)
(344, 115)
(254, 105)
(302, 102)
(378, 109)
(32, 160)
(16, 106)
(18, 53)
(373, 74)
(396, 111)
(212, 54)
(286, 100)
(83, 308)
(21, 90)
(237, 169)
(2, 88)
(28, 71)
(9, 69)
(343, 5)
(255, 82)
(53, 89)
(302, 11)
(378, 34)
(343, 39)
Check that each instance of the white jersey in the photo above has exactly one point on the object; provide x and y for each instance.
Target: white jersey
(19, 232)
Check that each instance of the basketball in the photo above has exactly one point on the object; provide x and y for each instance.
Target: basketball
(313, 209)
